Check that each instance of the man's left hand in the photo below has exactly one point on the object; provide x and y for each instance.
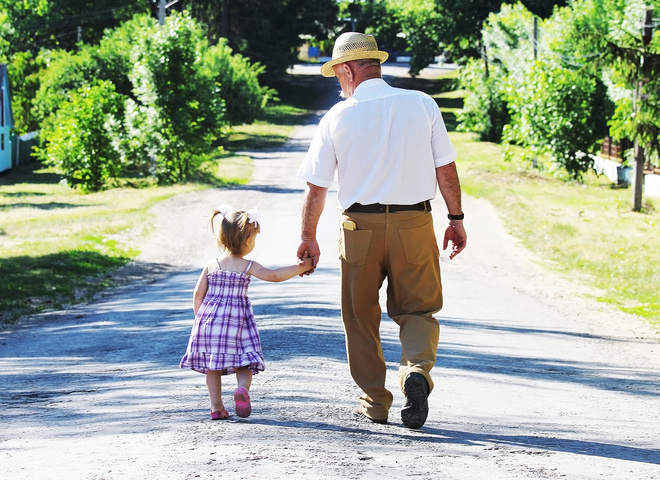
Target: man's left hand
(455, 234)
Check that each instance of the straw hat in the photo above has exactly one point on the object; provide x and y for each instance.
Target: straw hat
(352, 46)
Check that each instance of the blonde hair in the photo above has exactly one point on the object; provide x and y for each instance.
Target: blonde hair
(234, 231)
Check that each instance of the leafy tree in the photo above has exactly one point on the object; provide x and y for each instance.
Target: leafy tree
(554, 107)
(81, 139)
(461, 21)
(418, 21)
(428, 28)
(267, 32)
(23, 76)
(608, 34)
(507, 38)
(376, 17)
(561, 107)
(6, 31)
(38, 24)
(66, 72)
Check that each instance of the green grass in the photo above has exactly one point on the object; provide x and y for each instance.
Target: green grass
(587, 231)
(59, 247)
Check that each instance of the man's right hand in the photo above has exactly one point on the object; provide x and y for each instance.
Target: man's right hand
(313, 204)
(309, 249)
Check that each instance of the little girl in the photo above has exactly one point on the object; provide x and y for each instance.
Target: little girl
(224, 338)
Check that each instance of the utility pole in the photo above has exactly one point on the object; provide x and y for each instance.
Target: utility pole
(536, 36)
(162, 6)
(484, 57)
(224, 19)
(638, 170)
(161, 12)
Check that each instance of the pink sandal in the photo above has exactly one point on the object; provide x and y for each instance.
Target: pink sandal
(242, 400)
(220, 414)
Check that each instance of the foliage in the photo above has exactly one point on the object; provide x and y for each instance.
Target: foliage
(485, 110)
(460, 24)
(608, 33)
(418, 22)
(244, 98)
(508, 52)
(172, 86)
(64, 72)
(80, 139)
(508, 40)
(50, 24)
(561, 112)
(267, 32)
(169, 83)
(23, 74)
(48, 256)
(556, 107)
(426, 29)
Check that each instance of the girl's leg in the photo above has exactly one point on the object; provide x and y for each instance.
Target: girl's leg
(241, 397)
(244, 377)
(214, 384)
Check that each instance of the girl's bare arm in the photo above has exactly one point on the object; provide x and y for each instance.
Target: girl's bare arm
(282, 273)
(200, 290)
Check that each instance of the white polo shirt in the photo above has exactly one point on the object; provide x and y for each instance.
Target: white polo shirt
(384, 143)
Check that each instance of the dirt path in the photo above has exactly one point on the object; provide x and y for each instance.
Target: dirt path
(533, 380)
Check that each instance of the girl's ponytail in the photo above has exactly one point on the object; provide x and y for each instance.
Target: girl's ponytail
(236, 226)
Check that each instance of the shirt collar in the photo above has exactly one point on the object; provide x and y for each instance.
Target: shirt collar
(368, 85)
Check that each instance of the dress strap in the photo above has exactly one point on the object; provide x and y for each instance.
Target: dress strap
(248, 267)
(217, 260)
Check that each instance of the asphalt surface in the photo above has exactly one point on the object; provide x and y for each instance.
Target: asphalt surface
(534, 379)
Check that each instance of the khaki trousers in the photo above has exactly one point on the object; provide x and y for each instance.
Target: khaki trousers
(402, 248)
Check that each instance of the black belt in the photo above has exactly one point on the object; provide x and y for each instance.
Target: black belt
(380, 208)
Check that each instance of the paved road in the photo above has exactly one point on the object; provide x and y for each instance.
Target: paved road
(533, 381)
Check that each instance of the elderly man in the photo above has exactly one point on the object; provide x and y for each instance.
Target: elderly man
(390, 149)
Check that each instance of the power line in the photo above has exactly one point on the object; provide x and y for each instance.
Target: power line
(62, 27)
(75, 19)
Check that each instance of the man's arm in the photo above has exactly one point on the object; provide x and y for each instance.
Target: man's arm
(313, 204)
(450, 188)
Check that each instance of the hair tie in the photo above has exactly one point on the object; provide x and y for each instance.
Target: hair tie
(224, 209)
(254, 216)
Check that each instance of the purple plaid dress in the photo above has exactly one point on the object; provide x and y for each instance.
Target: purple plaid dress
(224, 335)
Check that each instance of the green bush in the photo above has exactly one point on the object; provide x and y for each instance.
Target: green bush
(509, 51)
(171, 85)
(485, 110)
(177, 95)
(239, 85)
(561, 112)
(80, 141)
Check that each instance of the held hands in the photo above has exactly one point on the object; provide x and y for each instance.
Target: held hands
(309, 251)
(307, 263)
(455, 234)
